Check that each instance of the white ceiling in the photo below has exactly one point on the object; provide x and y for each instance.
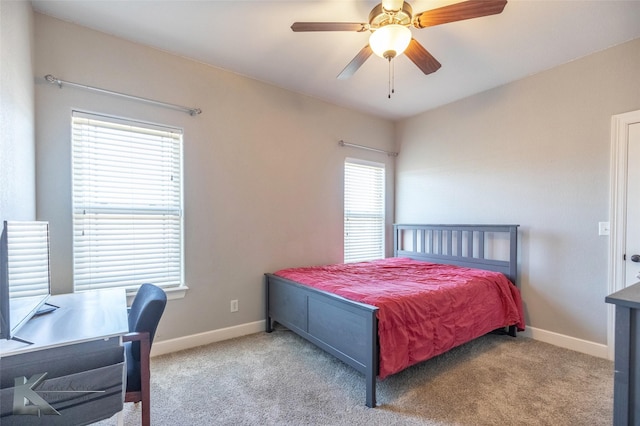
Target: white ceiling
(254, 39)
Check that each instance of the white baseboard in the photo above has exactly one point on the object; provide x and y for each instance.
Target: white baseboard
(200, 339)
(567, 342)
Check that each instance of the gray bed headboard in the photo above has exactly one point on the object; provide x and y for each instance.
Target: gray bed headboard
(490, 247)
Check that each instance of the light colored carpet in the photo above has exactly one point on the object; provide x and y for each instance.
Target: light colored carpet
(280, 379)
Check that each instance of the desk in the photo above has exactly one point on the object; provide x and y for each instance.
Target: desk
(75, 363)
(626, 381)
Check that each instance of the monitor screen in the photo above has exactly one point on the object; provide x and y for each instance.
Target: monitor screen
(24, 273)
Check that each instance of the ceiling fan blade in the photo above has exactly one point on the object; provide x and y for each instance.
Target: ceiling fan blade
(355, 63)
(423, 59)
(459, 12)
(329, 26)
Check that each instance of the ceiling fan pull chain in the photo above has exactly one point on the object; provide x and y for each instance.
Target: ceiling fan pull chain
(393, 76)
(389, 81)
(389, 86)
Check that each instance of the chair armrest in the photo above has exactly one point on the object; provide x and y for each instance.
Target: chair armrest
(136, 336)
(145, 347)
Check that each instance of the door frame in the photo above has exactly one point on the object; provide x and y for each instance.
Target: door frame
(617, 211)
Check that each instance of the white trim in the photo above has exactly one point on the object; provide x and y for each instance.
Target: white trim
(200, 339)
(619, 152)
(174, 345)
(583, 346)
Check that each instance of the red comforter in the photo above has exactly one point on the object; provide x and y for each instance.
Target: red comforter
(425, 309)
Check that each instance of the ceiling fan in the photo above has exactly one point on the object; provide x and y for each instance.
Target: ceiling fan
(389, 24)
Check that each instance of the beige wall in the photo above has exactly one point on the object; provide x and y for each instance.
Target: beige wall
(17, 140)
(535, 153)
(263, 171)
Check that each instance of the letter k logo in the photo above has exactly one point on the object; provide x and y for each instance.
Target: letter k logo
(23, 394)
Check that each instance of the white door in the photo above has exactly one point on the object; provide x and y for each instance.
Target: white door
(625, 209)
(632, 215)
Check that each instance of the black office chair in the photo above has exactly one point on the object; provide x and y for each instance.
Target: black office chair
(144, 316)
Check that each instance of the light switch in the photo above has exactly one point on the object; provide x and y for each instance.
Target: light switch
(603, 228)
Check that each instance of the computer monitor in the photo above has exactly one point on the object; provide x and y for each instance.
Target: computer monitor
(25, 279)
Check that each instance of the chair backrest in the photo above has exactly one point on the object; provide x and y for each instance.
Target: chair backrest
(145, 313)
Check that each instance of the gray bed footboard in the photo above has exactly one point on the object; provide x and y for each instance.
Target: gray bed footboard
(347, 330)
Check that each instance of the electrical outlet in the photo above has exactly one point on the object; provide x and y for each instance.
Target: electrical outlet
(234, 305)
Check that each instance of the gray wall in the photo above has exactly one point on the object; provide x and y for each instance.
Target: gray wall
(17, 140)
(536, 153)
(263, 171)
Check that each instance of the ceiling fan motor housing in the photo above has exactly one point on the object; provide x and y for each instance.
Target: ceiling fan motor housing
(379, 17)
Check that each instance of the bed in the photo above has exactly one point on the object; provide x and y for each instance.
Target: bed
(382, 316)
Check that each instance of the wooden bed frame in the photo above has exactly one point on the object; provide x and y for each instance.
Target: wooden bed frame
(349, 330)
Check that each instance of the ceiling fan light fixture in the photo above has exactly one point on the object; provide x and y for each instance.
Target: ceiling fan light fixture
(390, 40)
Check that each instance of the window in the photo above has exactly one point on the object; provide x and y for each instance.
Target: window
(363, 211)
(127, 203)
(27, 259)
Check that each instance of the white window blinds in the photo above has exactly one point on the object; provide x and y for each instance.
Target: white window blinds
(363, 211)
(127, 203)
(27, 258)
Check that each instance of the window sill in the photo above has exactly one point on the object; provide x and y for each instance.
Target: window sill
(172, 293)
